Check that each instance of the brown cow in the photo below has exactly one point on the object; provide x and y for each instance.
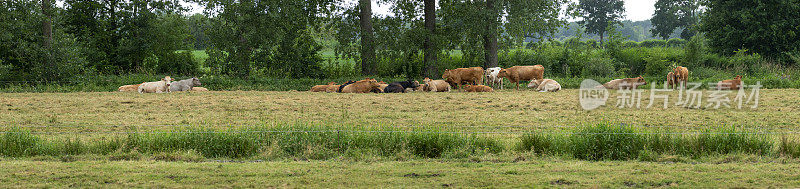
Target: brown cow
(671, 80)
(627, 83)
(363, 86)
(129, 88)
(321, 88)
(478, 88)
(332, 88)
(733, 84)
(472, 75)
(681, 75)
(436, 85)
(382, 85)
(522, 73)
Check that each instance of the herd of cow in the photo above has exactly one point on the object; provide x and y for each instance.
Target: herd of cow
(167, 84)
(473, 78)
(469, 79)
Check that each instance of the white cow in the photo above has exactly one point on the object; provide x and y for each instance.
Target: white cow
(157, 86)
(545, 85)
(492, 79)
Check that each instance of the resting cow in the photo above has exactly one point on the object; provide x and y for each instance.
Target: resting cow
(733, 84)
(478, 88)
(344, 85)
(157, 86)
(436, 85)
(545, 85)
(522, 73)
(627, 83)
(129, 88)
(199, 89)
(321, 88)
(184, 85)
(400, 87)
(472, 75)
(363, 86)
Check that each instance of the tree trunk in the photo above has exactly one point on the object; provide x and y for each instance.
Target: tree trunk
(47, 27)
(490, 36)
(369, 65)
(601, 40)
(429, 45)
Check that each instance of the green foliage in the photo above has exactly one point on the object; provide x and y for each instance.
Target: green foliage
(598, 15)
(764, 27)
(675, 14)
(657, 66)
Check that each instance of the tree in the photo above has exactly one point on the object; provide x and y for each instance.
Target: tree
(490, 35)
(369, 62)
(765, 27)
(672, 14)
(599, 14)
(429, 47)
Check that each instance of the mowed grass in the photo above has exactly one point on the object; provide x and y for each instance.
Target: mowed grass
(397, 174)
(514, 112)
(506, 111)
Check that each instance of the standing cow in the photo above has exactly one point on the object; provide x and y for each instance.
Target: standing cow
(157, 86)
(492, 78)
(472, 75)
(681, 75)
(522, 73)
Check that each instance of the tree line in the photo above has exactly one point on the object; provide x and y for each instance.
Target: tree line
(284, 38)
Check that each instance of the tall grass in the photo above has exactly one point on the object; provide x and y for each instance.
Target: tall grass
(606, 142)
(282, 141)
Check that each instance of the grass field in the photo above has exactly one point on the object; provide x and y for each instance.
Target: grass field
(501, 116)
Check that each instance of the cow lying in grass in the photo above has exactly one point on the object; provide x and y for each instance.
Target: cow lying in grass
(199, 89)
(436, 85)
(478, 88)
(184, 85)
(400, 87)
(129, 88)
(733, 84)
(339, 90)
(157, 86)
(544, 85)
(363, 86)
(627, 83)
(321, 88)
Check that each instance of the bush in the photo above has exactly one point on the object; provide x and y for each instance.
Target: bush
(676, 42)
(653, 43)
(657, 67)
(598, 66)
(630, 44)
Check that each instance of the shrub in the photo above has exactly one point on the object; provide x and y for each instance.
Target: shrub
(630, 44)
(653, 43)
(676, 42)
(657, 67)
(598, 66)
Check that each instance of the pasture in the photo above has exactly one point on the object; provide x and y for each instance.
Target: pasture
(482, 135)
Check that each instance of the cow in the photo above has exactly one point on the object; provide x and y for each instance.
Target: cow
(421, 87)
(382, 85)
(492, 79)
(321, 88)
(332, 88)
(157, 86)
(436, 85)
(400, 87)
(478, 88)
(681, 75)
(522, 73)
(455, 77)
(363, 86)
(627, 83)
(129, 88)
(733, 84)
(671, 80)
(199, 89)
(343, 85)
(544, 85)
(184, 85)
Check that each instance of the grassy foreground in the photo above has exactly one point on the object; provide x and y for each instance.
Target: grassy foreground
(406, 174)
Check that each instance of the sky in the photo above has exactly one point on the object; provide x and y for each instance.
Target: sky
(636, 10)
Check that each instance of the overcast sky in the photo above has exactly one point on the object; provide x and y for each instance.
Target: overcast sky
(635, 10)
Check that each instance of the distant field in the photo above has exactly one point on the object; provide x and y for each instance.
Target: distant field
(778, 109)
